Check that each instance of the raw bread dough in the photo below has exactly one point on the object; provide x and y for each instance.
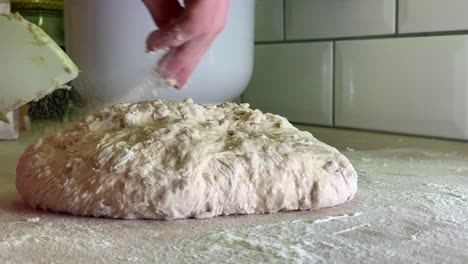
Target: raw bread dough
(168, 160)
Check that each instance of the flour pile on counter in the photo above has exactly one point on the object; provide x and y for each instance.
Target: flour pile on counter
(169, 160)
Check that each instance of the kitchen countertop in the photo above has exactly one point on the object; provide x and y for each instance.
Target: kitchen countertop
(411, 207)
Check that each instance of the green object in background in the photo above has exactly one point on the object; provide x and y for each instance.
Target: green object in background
(48, 15)
(50, 21)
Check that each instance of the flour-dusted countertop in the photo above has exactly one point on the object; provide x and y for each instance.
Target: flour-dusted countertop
(411, 207)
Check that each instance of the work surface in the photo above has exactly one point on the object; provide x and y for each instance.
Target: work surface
(411, 207)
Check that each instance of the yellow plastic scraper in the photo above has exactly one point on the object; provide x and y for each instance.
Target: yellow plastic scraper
(32, 65)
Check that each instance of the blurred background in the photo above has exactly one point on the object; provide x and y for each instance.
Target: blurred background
(382, 65)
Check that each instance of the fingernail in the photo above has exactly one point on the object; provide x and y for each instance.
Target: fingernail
(150, 51)
(172, 82)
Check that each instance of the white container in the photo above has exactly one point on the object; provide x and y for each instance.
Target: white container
(106, 39)
(10, 130)
(4, 6)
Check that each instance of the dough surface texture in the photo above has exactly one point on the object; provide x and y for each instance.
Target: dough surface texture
(170, 160)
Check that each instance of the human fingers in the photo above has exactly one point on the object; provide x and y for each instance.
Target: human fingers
(163, 11)
(179, 64)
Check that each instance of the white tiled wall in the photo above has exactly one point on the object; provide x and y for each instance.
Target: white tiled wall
(269, 24)
(312, 19)
(410, 85)
(432, 15)
(293, 80)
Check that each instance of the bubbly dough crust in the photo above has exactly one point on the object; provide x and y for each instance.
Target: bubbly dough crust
(170, 160)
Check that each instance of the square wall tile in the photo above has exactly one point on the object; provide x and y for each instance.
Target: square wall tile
(269, 20)
(432, 15)
(293, 80)
(315, 19)
(408, 85)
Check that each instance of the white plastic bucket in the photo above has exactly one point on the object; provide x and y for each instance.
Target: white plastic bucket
(106, 39)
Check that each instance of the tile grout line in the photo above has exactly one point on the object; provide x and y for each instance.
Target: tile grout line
(333, 82)
(397, 16)
(371, 37)
(284, 20)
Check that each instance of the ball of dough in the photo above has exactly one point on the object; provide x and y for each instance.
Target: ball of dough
(170, 160)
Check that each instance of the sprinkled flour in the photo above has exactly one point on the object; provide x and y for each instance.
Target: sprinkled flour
(404, 212)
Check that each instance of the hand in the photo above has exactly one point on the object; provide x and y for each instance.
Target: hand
(188, 31)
